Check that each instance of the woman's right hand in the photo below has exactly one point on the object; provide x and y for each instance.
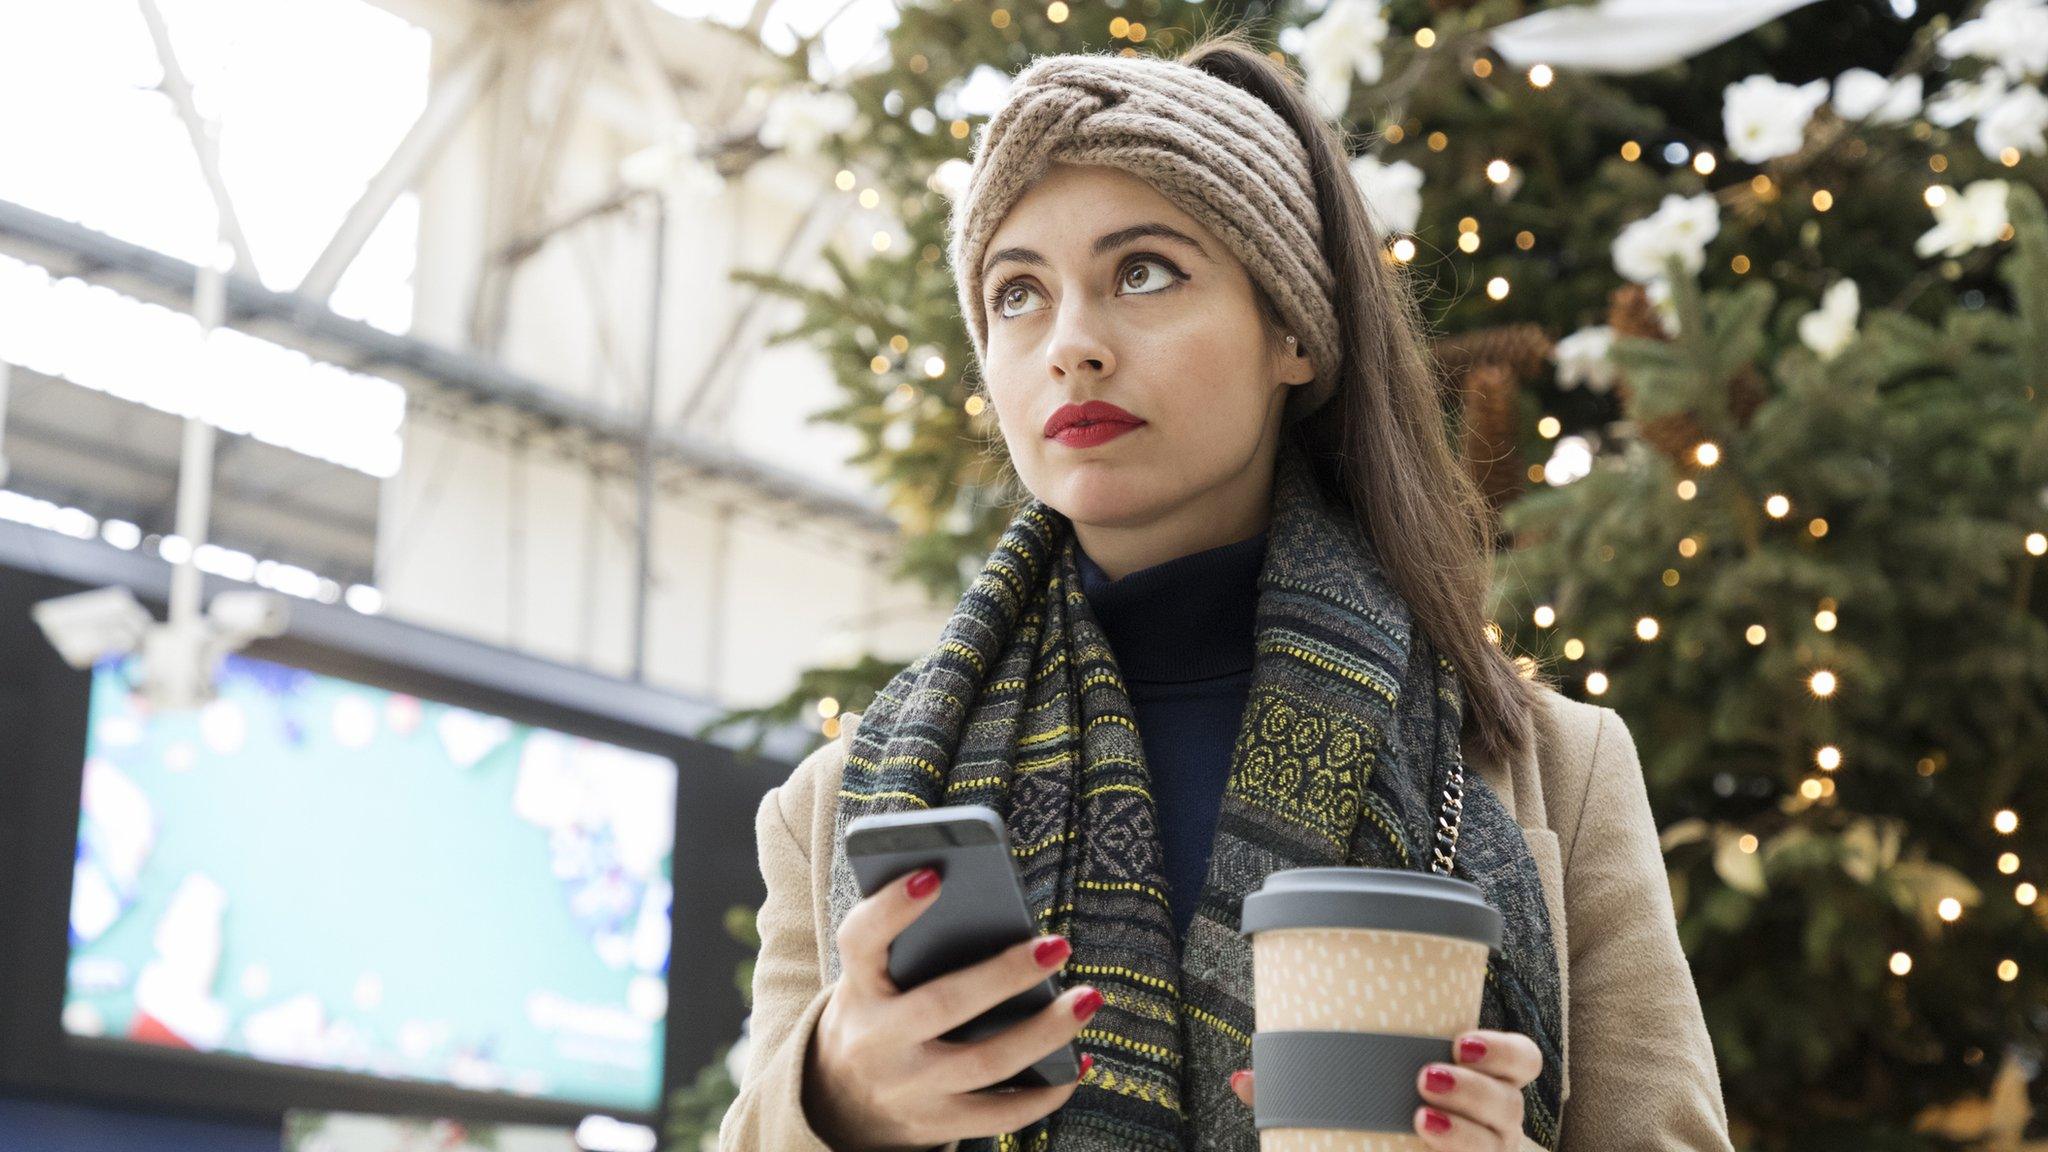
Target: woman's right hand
(878, 1079)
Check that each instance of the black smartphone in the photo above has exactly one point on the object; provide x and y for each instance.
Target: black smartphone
(980, 910)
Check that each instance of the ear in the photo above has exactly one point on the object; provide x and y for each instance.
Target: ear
(1294, 365)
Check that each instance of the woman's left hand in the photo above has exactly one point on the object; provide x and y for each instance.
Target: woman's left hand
(1472, 1106)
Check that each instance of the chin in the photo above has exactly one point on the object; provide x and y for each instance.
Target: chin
(1090, 493)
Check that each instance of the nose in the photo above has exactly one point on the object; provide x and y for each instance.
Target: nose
(1078, 344)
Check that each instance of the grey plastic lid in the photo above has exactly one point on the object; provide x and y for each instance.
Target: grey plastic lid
(1395, 899)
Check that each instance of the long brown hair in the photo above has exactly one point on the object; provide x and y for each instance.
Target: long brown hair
(1381, 444)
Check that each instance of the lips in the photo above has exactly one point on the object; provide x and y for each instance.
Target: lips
(1089, 435)
(1094, 412)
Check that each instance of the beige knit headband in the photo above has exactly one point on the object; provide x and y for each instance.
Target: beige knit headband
(1214, 150)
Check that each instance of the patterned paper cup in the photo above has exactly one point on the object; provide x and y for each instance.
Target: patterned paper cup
(1360, 977)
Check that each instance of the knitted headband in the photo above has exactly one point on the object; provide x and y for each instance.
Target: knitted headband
(1214, 150)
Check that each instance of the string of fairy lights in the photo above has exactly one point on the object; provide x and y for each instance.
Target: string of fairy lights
(1822, 683)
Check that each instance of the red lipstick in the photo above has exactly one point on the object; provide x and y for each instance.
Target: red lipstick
(1085, 425)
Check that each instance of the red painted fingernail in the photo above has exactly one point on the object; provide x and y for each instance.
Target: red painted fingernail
(1087, 1062)
(1471, 1050)
(1051, 951)
(1087, 1004)
(1438, 1079)
(922, 882)
(1435, 1121)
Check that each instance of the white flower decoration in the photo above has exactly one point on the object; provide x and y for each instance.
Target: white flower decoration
(949, 179)
(1664, 305)
(1829, 329)
(2019, 120)
(1582, 359)
(1959, 100)
(1764, 118)
(1861, 93)
(675, 165)
(1343, 43)
(801, 120)
(1393, 192)
(2013, 33)
(1973, 219)
(1681, 226)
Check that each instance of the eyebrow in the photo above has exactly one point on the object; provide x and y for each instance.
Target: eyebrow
(1103, 243)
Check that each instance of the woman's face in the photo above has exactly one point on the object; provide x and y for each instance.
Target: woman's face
(1097, 288)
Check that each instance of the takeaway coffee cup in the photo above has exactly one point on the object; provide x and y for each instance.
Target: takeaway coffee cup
(1360, 976)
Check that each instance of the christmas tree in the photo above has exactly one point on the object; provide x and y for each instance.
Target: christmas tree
(1742, 317)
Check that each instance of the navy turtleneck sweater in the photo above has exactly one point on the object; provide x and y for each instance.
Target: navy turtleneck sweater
(1182, 635)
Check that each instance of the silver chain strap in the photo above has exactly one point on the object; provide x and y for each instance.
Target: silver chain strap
(1447, 819)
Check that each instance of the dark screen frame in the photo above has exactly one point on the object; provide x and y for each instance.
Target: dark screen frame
(44, 706)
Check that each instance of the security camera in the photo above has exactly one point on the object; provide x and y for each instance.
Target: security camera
(241, 616)
(86, 627)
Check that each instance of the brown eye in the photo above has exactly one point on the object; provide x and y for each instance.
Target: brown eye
(1138, 267)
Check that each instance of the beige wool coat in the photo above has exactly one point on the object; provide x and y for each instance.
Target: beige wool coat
(1639, 1070)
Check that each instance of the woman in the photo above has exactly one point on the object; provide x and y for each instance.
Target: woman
(1250, 560)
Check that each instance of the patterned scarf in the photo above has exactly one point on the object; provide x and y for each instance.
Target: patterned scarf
(1347, 742)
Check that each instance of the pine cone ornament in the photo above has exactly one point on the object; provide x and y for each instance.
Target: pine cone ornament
(1520, 348)
(1631, 313)
(1492, 450)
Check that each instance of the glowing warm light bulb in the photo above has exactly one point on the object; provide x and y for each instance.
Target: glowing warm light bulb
(1540, 76)
(2006, 820)
(1822, 683)
(1747, 843)
(2008, 862)
(1754, 634)
(1901, 964)
(2025, 894)
(1824, 620)
(1950, 909)
(2008, 970)
(1497, 288)
(1596, 683)
(1646, 628)
(1708, 453)
(1828, 757)
(2037, 544)
(1777, 506)
(1544, 616)
(1498, 171)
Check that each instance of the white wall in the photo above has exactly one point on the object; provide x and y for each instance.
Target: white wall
(476, 538)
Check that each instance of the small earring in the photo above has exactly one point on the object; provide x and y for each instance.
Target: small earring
(1290, 339)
